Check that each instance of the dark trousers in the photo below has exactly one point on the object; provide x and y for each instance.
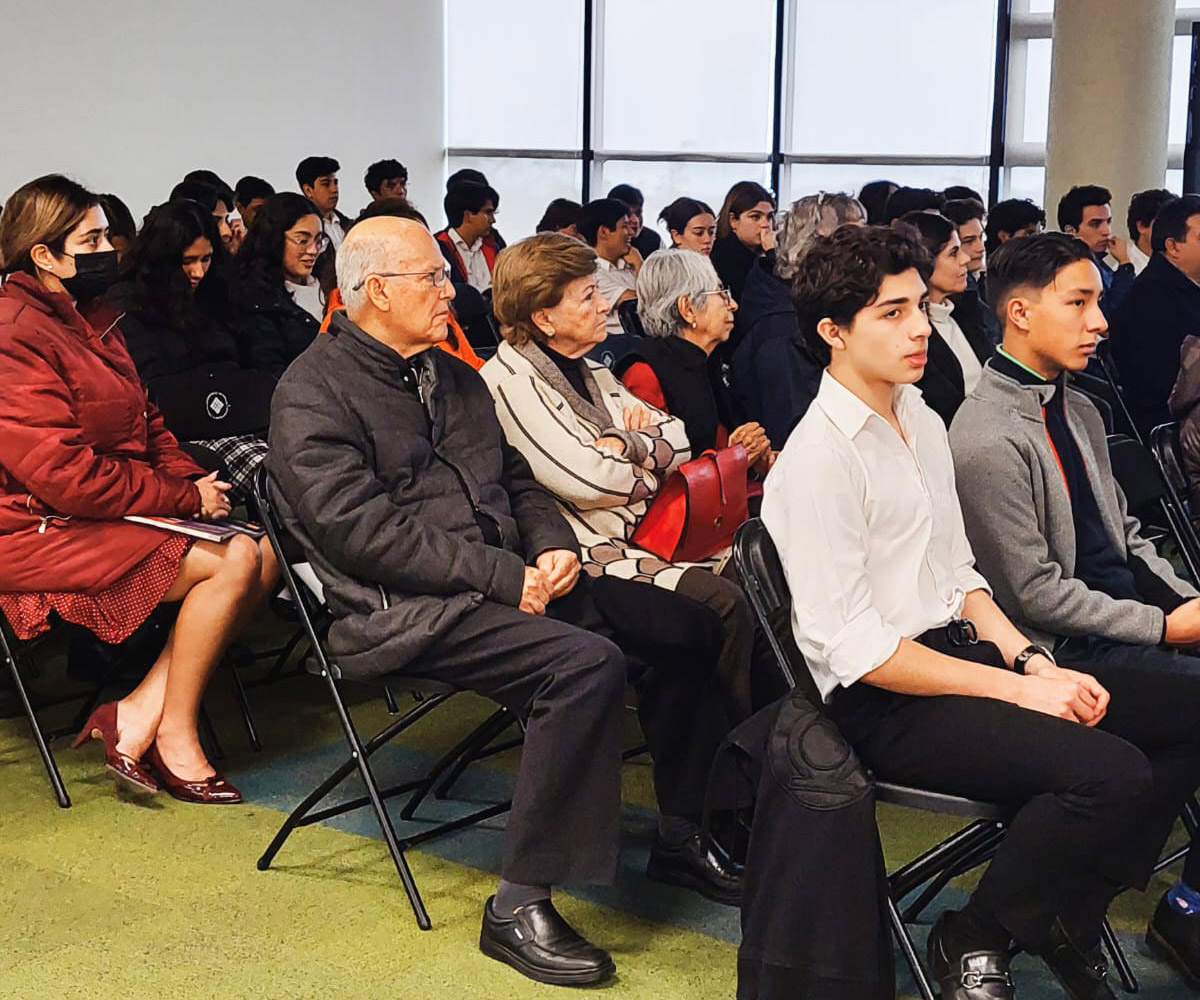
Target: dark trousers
(566, 684)
(673, 643)
(1092, 806)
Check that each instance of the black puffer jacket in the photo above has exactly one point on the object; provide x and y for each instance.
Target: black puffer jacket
(160, 349)
(773, 376)
(271, 330)
(411, 513)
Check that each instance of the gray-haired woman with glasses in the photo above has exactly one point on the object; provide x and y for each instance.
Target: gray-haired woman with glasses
(277, 302)
(686, 313)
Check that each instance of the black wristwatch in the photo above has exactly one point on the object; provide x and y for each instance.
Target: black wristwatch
(1028, 653)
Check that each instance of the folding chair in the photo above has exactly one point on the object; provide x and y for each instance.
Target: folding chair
(314, 617)
(761, 573)
(1150, 496)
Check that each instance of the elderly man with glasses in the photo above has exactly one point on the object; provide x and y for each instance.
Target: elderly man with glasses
(442, 557)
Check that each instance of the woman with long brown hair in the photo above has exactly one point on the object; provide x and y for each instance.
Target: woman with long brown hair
(80, 449)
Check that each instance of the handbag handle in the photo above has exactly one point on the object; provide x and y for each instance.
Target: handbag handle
(711, 455)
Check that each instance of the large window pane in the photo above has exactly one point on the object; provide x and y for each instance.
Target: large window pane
(875, 76)
(809, 178)
(687, 77)
(1181, 68)
(1037, 90)
(525, 187)
(514, 74)
(1027, 182)
(1174, 181)
(662, 183)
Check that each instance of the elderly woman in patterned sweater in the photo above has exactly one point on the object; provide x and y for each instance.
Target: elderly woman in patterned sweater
(595, 446)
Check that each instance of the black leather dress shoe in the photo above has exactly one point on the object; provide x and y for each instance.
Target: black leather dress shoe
(1175, 936)
(695, 866)
(1083, 975)
(972, 975)
(540, 944)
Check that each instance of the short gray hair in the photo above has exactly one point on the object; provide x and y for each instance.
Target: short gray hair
(358, 258)
(809, 217)
(665, 277)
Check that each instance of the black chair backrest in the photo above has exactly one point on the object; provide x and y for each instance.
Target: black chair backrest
(1164, 439)
(1108, 368)
(631, 322)
(1137, 473)
(310, 609)
(757, 563)
(1099, 394)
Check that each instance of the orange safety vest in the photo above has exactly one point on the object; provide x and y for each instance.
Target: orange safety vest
(456, 345)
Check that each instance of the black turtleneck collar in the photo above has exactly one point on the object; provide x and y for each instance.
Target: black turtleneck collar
(572, 369)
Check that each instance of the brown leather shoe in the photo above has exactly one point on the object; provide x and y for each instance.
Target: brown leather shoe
(102, 725)
(212, 791)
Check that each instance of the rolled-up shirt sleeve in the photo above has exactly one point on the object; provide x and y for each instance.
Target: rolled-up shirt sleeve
(814, 512)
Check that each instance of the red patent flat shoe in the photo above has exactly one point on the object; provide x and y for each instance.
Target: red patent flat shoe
(102, 725)
(212, 791)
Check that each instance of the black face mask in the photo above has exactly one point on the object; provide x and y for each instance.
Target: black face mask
(95, 273)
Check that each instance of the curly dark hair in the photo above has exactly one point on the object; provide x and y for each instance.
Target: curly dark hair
(840, 275)
(159, 291)
(258, 265)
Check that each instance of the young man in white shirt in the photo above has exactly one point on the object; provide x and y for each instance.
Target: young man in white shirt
(471, 214)
(924, 674)
(318, 180)
(606, 226)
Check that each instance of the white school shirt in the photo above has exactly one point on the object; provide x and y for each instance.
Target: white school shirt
(333, 229)
(613, 281)
(478, 275)
(869, 531)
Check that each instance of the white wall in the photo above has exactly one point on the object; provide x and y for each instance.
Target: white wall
(128, 95)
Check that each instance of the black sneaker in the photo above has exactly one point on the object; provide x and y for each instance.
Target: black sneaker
(1083, 975)
(971, 975)
(540, 944)
(694, 866)
(1175, 936)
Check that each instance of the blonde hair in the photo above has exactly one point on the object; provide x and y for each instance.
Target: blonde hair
(43, 211)
(532, 275)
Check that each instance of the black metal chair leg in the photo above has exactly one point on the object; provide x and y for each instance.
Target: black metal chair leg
(497, 724)
(920, 976)
(56, 782)
(381, 813)
(1129, 981)
(972, 858)
(208, 735)
(239, 689)
(448, 759)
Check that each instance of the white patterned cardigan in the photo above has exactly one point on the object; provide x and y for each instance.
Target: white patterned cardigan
(603, 496)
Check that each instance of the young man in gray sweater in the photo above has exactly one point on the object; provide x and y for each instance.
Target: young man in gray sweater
(1048, 523)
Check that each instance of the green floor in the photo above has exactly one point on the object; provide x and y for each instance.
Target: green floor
(124, 898)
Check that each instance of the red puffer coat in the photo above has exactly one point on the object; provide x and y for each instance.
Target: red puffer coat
(80, 447)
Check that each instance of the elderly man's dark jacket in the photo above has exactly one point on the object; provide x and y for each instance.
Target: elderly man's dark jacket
(398, 482)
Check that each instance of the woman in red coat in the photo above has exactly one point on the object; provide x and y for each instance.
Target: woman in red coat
(80, 448)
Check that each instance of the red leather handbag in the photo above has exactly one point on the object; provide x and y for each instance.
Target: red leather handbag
(698, 509)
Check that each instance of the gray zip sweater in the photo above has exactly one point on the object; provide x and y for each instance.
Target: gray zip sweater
(1018, 515)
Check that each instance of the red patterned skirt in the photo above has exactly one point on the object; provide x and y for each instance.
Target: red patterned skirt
(113, 613)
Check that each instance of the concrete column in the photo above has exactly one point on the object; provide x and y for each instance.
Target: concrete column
(1109, 98)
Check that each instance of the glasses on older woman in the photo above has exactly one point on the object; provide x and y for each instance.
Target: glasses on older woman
(724, 292)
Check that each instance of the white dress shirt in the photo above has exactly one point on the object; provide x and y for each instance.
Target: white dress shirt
(333, 229)
(1138, 259)
(940, 315)
(478, 275)
(869, 531)
(613, 281)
